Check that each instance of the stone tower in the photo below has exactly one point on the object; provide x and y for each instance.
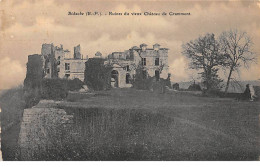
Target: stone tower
(77, 54)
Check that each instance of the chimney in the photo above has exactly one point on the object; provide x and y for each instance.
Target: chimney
(156, 46)
(143, 46)
(98, 55)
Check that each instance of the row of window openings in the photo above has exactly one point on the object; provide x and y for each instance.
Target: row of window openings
(67, 65)
(157, 75)
(156, 62)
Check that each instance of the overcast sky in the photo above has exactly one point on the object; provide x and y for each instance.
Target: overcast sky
(26, 24)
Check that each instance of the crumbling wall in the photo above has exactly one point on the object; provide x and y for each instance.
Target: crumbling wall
(38, 129)
(77, 54)
(47, 49)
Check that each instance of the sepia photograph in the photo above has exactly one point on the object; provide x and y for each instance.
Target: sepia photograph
(129, 80)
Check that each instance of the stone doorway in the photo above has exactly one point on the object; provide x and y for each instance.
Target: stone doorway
(114, 79)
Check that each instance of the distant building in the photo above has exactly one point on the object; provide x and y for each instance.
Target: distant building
(59, 62)
(153, 60)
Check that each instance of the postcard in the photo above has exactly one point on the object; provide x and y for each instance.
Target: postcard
(129, 80)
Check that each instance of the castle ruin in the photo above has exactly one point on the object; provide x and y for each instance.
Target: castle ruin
(58, 62)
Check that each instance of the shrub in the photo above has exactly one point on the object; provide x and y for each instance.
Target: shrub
(176, 86)
(55, 89)
(31, 97)
(142, 80)
(145, 82)
(194, 87)
(75, 84)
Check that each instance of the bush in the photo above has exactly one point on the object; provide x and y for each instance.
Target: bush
(142, 80)
(176, 86)
(143, 84)
(32, 97)
(75, 84)
(194, 87)
(55, 89)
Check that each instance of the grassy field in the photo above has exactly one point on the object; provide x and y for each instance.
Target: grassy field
(128, 124)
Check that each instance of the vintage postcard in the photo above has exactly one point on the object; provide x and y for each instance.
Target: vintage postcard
(129, 80)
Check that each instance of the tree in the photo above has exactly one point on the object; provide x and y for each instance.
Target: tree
(212, 80)
(97, 75)
(204, 54)
(237, 47)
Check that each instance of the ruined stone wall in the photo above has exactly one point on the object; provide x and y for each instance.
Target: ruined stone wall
(77, 68)
(137, 58)
(77, 53)
(67, 54)
(122, 78)
(150, 66)
(46, 49)
(48, 54)
(34, 72)
(59, 53)
(37, 129)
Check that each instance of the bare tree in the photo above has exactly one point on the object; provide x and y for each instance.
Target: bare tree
(237, 47)
(204, 54)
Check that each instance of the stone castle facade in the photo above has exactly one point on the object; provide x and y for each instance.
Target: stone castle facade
(61, 63)
(154, 62)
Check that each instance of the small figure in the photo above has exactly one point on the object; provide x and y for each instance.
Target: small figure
(246, 95)
(252, 92)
